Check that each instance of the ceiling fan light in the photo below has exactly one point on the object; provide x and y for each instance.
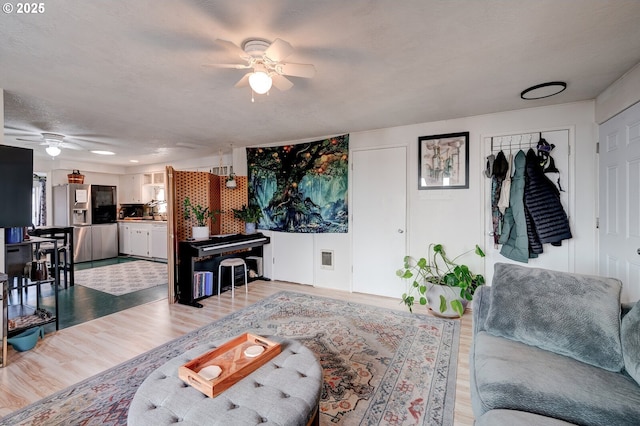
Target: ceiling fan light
(260, 82)
(53, 151)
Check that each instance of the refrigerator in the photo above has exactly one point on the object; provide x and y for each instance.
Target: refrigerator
(91, 210)
(104, 229)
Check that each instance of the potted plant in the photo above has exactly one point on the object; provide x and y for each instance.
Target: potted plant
(201, 214)
(250, 214)
(440, 281)
(231, 181)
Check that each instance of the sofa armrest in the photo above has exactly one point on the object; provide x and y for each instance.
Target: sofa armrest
(481, 304)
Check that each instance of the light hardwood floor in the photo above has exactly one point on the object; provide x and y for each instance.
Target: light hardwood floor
(76, 353)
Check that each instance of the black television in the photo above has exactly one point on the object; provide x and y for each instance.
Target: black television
(16, 182)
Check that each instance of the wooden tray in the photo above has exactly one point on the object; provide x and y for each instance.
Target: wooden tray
(231, 359)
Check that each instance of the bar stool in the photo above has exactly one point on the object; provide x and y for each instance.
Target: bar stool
(46, 250)
(232, 263)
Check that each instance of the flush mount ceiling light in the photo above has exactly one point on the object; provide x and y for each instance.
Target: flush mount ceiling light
(103, 152)
(543, 90)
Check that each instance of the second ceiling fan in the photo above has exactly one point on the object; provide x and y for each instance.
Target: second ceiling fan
(265, 59)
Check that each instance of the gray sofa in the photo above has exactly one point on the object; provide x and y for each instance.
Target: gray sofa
(552, 348)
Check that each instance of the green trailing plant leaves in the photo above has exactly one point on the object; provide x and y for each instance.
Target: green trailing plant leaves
(438, 269)
(456, 305)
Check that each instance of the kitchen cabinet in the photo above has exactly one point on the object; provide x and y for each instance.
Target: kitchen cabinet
(130, 189)
(139, 240)
(158, 241)
(123, 238)
(140, 188)
(143, 239)
(154, 178)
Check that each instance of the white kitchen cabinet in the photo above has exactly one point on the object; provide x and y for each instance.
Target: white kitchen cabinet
(158, 241)
(130, 189)
(153, 178)
(143, 239)
(123, 238)
(139, 240)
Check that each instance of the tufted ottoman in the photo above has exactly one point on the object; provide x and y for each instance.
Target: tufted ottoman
(284, 391)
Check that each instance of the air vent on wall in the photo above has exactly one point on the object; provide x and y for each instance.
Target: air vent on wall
(326, 259)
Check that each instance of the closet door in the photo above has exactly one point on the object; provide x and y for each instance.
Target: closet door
(379, 219)
(556, 258)
(619, 202)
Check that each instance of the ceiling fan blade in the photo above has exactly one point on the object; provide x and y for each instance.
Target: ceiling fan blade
(233, 48)
(244, 81)
(15, 130)
(70, 145)
(31, 141)
(281, 82)
(278, 50)
(234, 66)
(92, 141)
(296, 70)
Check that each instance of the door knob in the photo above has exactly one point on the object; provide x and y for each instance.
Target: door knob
(401, 231)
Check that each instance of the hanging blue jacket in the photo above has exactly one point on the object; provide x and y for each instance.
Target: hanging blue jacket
(514, 240)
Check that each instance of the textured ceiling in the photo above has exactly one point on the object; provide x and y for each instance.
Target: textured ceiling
(128, 76)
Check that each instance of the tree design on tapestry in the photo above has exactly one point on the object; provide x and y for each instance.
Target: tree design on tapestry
(301, 188)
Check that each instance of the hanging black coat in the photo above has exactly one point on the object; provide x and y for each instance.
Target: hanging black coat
(542, 200)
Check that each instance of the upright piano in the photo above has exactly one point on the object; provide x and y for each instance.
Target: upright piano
(205, 255)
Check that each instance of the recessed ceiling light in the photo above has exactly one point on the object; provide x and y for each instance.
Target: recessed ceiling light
(134, 161)
(543, 90)
(104, 152)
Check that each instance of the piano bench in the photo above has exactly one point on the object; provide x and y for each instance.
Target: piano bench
(232, 263)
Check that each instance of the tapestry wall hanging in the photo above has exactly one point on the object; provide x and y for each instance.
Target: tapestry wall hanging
(303, 187)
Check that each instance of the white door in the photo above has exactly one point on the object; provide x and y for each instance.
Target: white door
(555, 258)
(620, 201)
(379, 219)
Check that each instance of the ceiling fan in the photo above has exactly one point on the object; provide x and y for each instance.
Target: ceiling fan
(54, 143)
(265, 58)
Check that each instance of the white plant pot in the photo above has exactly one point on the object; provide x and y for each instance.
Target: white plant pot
(449, 293)
(249, 228)
(200, 232)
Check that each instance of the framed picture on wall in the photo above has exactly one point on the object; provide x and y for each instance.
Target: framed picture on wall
(443, 161)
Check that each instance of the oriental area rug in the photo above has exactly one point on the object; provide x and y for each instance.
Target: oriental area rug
(380, 366)
(123, 278)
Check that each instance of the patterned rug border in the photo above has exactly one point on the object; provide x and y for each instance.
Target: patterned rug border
(449, 402)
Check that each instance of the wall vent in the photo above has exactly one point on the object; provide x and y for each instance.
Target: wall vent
(326, 259)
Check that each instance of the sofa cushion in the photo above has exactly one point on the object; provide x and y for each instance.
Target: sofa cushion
(630, 335)
(570, 314)
(511, 375)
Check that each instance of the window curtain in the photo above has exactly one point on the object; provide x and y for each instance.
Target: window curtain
(39, 200)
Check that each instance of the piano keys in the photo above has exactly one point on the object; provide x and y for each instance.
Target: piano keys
(226, 243)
